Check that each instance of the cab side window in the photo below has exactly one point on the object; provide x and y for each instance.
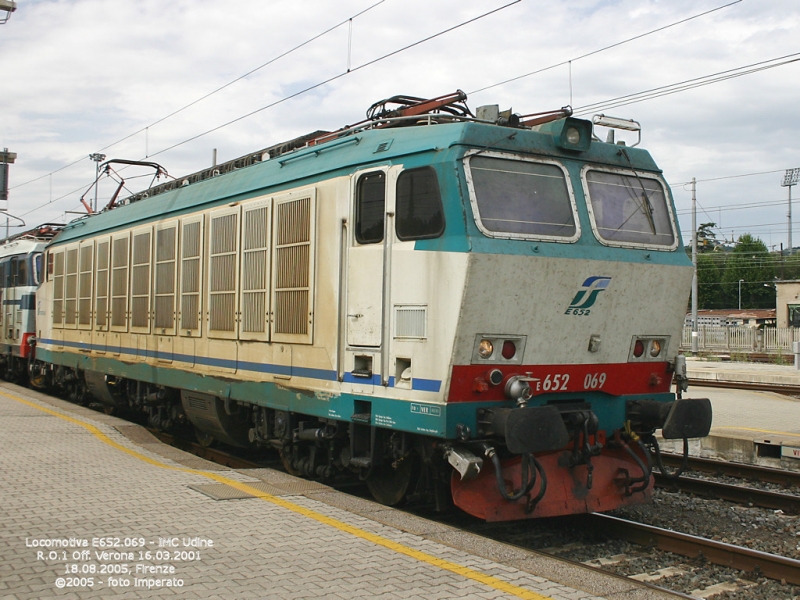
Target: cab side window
(370, 207)
(419, 205)
(22, 271)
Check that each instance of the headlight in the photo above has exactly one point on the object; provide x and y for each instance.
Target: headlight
(655, 348)
(573, 136)
(485, 349)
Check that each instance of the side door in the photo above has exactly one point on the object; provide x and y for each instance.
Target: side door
(369, 268)
(11, 300)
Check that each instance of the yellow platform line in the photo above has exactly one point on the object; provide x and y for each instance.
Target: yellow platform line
(446, 565)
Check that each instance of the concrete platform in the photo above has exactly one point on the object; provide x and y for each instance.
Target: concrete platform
(94, 507)
(736, 372)
(748, 426)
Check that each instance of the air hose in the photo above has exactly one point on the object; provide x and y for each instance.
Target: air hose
(527, 477)
(662, 468)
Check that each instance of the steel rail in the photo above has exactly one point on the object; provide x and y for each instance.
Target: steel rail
(210, 454)
(734, 469)
(771, 566)
(739, 494)
(789, 390)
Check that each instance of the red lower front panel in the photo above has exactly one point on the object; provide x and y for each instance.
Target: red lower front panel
(470, 383)
(566, 494)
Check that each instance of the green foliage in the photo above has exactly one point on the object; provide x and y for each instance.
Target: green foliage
(709, 273)
(706, 238)
(719, 273)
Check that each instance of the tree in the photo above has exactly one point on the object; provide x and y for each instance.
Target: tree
(751, 263)
(706, 238)
(710, 267)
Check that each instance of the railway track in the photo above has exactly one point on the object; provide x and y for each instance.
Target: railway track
(787, 390)
(737, 493)
(211, 454)
(728, 555)
(781, 477)
(788, 503)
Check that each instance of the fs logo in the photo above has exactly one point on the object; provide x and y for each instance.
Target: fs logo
(587, 295)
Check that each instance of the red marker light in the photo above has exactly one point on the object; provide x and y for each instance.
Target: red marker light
(509, 350)
(638, 348)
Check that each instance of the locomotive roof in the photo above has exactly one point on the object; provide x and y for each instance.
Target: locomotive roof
(415, 145)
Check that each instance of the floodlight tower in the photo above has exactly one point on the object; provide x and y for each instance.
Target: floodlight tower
(6, 8)
(790, 178)
(6, 158)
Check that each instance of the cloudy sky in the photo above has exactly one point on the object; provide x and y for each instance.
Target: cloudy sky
(132, 79)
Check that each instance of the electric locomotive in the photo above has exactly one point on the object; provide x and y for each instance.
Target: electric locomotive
(483, 308)
(21, 273)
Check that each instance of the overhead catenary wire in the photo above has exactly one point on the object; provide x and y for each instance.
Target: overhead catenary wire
(337, 76)
(641, 96)
(688, 84)
(330, 29)
(284, 54)
(724, 177)
(569, 62)
(320, 84)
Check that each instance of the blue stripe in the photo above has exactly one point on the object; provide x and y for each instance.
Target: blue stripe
(426, 385)
(26, 302)
(421, 385)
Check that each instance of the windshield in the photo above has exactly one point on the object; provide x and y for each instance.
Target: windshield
(629, 208)
(513, 197)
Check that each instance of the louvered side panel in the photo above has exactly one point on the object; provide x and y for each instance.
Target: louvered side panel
(102, 262)
(165, 277)
(140, 280)
(191, 246)
(410, 322)
(254, 287)
(119, 282)
(223, 273)
(71, 289)
(58, 289)
(294, 234)
(85, 281)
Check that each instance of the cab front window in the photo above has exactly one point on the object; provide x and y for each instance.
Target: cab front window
(629, 208)
(518, 198)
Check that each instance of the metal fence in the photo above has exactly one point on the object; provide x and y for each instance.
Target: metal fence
(737, 338)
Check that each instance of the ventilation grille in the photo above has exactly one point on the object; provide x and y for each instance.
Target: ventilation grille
(190, 276)
(140, 284)
(71, 287)
(102, 284)
(255, 261)
(410, 322)
(165, 278)
(58, 289)
(292, 266)
(119, 282)
(222, 273)
(85, 285)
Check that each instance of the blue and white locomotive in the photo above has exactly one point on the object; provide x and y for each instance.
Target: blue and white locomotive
(487, 307)
(21, 273)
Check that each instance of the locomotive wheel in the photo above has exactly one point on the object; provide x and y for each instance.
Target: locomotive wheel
(389, 485)
(37, 378)
(286, 459)
(203, 438)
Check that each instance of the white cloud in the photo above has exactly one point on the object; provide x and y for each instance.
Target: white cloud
(79, 75)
